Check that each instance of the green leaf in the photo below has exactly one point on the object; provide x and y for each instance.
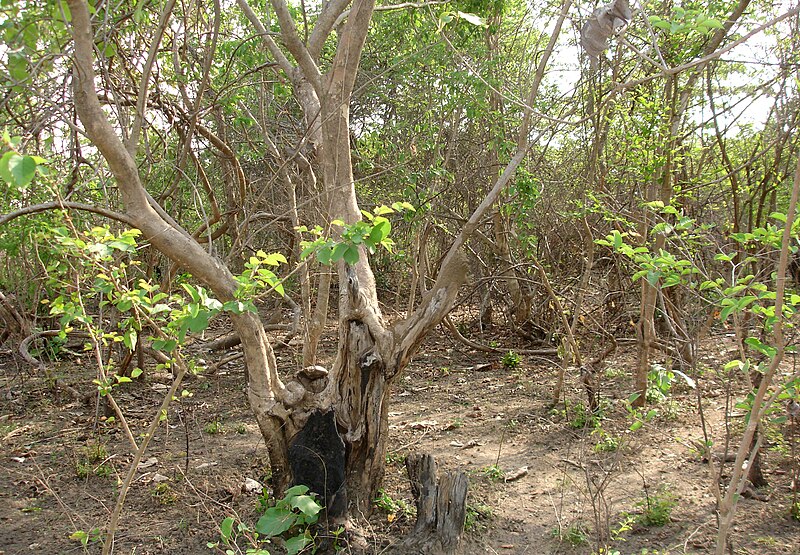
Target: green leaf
(167, 345)
(192, 290)
(725, 312)
(766, 350)
(275, 521)
(708, 285)
(297, 544)
(351, 255)
(380, 231)
(299, 489)
(472, 18)
(136, 372)
(226, 528)
(306, 504)
(732, 364)
(129, 338)
(199, 322)
(617, 240)
(18, 66)
(742, 303)
(338, 251)
(17, 170)
(382, 210)
(274, 259)
(324, 255)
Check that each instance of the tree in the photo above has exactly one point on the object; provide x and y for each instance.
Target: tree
(370, 355)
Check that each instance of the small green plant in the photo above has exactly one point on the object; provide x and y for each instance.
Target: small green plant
(85, 538)
(477, 515)
(395, 457)
(576, 535)
(92, 459)
(294, 514)
(291, 518)
(670, 410)
(511, 360)
(623, 527)
(606, 443)
(164, 494)
(456, 423)
(241, 428)
(228, 538)
(794, 510)
(579, 417)
(638, 417)
(262, 501)
(656, 508)
(494, 473)
(213, 428)
(393, 507)
(659, 383)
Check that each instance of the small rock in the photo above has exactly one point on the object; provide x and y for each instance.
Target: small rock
(158, 478)
(517, 474)
(421, 424)
(152, 461)
(252, 486)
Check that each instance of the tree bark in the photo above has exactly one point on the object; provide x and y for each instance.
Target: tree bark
(441, 509)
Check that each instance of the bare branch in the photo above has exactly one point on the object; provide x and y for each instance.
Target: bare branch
(392, 7)
(271, 45)
(63, 205)
(330, 17)
(138, 117)
(295, 46)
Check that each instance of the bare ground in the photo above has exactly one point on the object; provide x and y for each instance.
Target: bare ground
(539, 483)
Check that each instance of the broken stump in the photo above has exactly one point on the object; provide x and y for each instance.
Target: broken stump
(441, 509)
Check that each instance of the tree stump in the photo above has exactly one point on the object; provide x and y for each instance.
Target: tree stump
(441, 509)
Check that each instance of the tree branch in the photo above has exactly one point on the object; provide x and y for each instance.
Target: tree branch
(141, 101)
(64, 205)
(295, 46)
(271, 45)
(330, 17)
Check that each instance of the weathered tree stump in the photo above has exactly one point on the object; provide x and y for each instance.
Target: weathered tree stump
(441, 509)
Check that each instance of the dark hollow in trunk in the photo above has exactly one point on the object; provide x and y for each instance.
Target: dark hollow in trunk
(317, 460)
